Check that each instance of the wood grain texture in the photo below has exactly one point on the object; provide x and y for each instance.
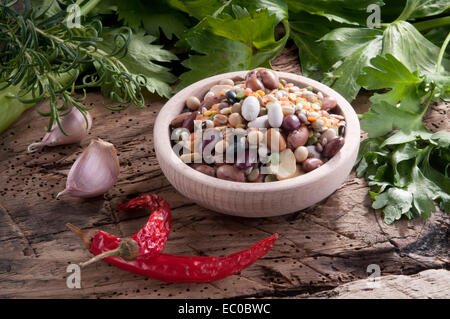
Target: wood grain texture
(427, 284)
(319, 248)
(255, 199)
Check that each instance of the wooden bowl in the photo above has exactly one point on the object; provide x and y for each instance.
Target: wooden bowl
(255, 199)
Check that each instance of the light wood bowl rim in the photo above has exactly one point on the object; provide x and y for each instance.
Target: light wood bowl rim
(173, 107)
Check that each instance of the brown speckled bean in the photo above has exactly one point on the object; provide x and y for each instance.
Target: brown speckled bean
(298, 137)
(205, 169)
(311, 164)
(211, 100)
(328, 103)
(235, 119)
(193, 103)
(254, 174)
(230, 173)
(269, 78)
(220, 120)
(253, 74)
(189, 121)
(178, 121)
(275, 141)
(236, 108)
(333, 146)
(254, 84)
(328, 135)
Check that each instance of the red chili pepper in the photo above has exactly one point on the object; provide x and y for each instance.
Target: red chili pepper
(153, 236)
(148, 242)
(183, 269)
(140, 255)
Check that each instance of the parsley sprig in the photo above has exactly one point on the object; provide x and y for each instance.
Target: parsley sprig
(406, 165)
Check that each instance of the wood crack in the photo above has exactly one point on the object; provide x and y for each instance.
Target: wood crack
(21, 233)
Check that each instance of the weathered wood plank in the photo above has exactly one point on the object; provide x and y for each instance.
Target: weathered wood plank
(319, 248)
(424, 285)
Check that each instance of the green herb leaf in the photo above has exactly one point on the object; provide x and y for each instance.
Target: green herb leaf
(407, 179)
(433, 174)
(136, 13)
(367, 146)
(382, 118)
(405, 136)
(441, 138)
(277, 7)
(231, 42)
(342, 11)
(411, 48)
(425, 192)
(388, 72)
(198, 8)
(355, 48)
(395, 202)
(351, 50)
(400, 108)
(423, 8)
(306, 29)
(47, 8)
(140, 60)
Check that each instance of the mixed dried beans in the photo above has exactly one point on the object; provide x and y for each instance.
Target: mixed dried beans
(258, 129)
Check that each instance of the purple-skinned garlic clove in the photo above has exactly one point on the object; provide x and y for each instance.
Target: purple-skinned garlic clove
(74, 124)
(94, 172)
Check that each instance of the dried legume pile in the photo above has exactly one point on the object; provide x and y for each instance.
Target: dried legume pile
(258, 129)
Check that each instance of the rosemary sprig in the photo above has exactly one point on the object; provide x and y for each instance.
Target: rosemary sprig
(38, 52)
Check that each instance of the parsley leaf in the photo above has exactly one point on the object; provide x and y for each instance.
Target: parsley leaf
(404, 178)
(354, 47)
(351, 50)
(135, 14)
(423, 8)
(424, 192)
(399, 108)
(305, 30)
(407, 170)
(395, 201)
(46, 7)
(388, 72)
(141, 59)
(342, 11)
(197, 8)
(233, 41)
(383, 118)
(409, 46)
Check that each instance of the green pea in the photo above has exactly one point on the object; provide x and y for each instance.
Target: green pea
(312, 140)
(240, 95)
(270, 178)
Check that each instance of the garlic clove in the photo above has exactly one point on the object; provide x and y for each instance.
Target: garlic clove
(94, 172)
(74, 124)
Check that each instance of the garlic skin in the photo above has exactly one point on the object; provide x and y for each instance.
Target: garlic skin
(94, 172)
(73, 124)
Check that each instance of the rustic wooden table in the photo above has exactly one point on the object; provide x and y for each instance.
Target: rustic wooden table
(319, 249)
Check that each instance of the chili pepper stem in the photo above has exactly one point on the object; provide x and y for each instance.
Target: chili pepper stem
(128, 249)
(85, 235)
(75, 229)
(110, 253)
